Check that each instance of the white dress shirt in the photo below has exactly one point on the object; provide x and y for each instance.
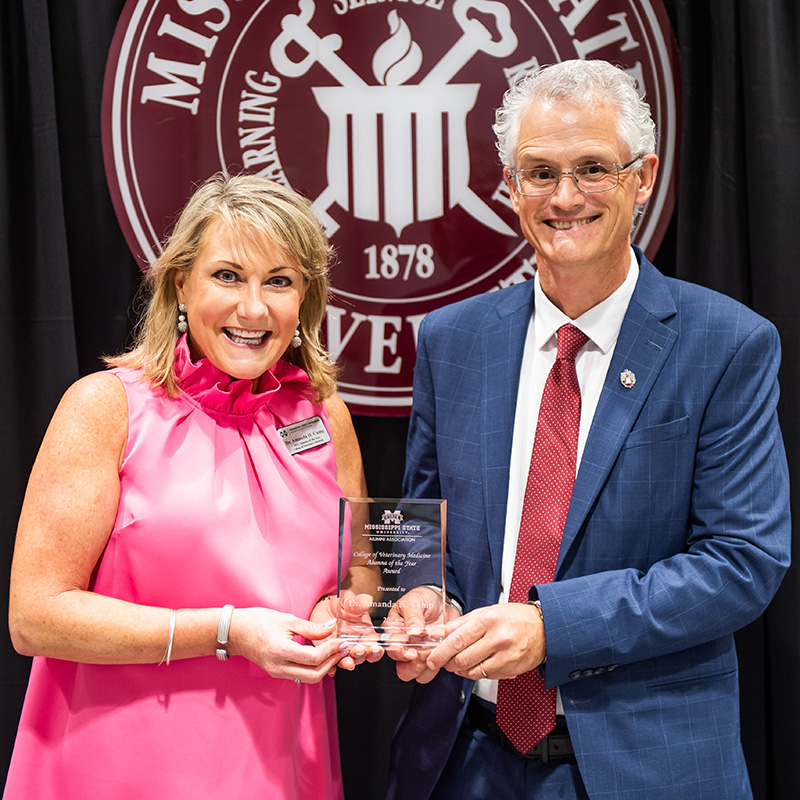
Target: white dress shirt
(601, 324)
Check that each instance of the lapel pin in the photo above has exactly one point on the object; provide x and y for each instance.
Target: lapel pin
(627, 379)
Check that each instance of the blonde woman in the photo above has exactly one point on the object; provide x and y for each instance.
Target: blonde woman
(177, 543)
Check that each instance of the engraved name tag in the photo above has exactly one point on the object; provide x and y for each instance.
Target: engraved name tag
(301, 436)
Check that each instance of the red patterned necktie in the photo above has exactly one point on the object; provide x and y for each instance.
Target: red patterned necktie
(526, 711)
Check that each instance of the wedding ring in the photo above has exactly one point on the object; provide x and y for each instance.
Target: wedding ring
(483, 670)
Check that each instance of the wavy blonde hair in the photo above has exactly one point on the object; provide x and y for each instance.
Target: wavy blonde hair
(246, 204)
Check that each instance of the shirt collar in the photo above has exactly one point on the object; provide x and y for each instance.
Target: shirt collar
(601, 323)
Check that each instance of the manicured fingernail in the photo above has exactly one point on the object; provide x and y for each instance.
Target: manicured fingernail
(375, 652)
(330, 623)
(344, 645)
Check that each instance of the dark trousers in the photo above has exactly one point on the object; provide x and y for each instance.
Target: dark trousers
(480, 769)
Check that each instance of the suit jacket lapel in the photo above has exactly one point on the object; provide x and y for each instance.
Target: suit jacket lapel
(503, 345)
(642, 347)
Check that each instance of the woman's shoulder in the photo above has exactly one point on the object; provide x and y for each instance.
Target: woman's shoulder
(337, 411)
(349, 468)
(340, 422)
(92, 416)
(100, 395)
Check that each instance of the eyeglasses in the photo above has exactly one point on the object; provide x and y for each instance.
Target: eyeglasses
(589, 178)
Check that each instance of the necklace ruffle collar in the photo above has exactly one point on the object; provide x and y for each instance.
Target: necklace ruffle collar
(214, 389)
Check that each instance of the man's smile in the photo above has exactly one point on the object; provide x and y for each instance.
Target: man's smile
(566, 224)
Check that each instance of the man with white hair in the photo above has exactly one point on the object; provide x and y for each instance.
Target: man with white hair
(607, 441)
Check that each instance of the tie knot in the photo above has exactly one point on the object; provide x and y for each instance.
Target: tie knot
(570, 341)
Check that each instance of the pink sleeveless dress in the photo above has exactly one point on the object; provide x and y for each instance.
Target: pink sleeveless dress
(213, 510)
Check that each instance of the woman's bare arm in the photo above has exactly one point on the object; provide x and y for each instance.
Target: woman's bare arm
(67, 517)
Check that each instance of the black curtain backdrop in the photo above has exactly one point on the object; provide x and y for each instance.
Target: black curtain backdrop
(68, 283)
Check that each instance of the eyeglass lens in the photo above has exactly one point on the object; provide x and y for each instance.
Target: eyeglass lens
(589, 177)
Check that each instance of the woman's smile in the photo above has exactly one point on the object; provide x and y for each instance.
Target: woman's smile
(245, 337)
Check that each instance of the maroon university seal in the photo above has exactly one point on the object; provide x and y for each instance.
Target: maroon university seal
(380, 112)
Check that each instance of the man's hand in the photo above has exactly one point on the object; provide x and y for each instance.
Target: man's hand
(506, 640)
(416, 613)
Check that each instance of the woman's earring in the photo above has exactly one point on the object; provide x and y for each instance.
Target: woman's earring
(183, 326)
(296, 340)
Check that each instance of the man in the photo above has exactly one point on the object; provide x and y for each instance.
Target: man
(661, 411)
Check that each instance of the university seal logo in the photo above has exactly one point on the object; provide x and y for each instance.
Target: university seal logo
(380, 112)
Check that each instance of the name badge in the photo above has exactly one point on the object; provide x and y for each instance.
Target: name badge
(301, 436)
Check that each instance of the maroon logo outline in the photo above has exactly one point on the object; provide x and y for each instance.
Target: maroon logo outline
(381, 113)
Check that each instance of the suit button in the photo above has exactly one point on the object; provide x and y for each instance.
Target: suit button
(587, 673)
(611, 667)
(462, 699)
(575, 674)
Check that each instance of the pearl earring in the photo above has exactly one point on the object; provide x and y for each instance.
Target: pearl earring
(183, 326)
(296, 340)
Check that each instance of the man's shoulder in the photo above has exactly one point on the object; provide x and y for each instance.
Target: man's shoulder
(473, 310)
(714, 308)
(701, 306)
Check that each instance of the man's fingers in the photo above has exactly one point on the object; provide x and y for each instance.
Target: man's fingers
(414, 620)
(463, 633)
(415, 670)
(453, 644)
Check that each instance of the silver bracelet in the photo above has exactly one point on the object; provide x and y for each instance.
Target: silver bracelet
(222, 632)
(173, 616)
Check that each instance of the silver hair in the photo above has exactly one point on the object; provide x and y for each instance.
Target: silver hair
(577, 81)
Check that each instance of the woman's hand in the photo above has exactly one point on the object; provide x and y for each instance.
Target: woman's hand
(356, 609)
(273, 641)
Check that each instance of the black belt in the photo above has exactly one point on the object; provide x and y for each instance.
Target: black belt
(555, 747)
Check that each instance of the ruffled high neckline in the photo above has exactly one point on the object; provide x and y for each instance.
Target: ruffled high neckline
(214, 389)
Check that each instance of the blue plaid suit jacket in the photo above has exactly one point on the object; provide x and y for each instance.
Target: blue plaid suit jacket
(677, 534)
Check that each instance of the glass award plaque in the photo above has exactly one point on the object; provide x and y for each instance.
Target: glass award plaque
(391, 581)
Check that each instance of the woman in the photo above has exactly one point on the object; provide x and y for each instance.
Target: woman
(177, 543)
